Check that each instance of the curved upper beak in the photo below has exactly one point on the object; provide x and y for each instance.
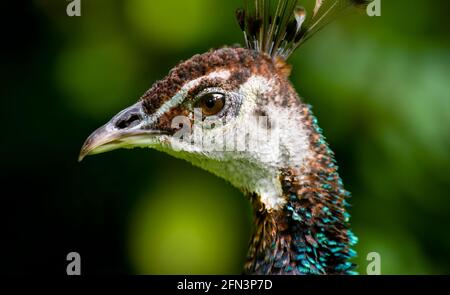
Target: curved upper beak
(127, 129)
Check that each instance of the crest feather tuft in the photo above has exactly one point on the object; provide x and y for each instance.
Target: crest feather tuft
(279, 27)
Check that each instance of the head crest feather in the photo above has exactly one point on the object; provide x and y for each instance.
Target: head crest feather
(279, 27)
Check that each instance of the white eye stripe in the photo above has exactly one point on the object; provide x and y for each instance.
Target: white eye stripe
(182, 93)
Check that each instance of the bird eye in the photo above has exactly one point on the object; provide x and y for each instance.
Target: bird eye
(211, 103)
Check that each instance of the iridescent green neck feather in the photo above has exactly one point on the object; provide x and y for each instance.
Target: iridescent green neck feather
(310, 234)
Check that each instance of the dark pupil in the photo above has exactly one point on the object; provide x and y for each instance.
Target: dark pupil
(210, 101)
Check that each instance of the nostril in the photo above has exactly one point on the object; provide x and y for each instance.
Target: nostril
(128, 122)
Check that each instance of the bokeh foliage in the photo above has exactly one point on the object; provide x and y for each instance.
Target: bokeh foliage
(379, 87)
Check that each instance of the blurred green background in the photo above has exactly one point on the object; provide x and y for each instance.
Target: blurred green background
(379, 86)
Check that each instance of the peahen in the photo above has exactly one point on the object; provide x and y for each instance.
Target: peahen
(233, 112)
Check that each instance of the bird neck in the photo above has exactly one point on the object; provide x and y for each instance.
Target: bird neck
(310, 234)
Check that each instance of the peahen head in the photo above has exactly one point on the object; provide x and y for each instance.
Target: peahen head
(230, 111)
(233, 112)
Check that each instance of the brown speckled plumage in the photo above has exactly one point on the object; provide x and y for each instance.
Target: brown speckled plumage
(198, 66)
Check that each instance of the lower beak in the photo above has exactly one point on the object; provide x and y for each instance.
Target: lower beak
(127, 129)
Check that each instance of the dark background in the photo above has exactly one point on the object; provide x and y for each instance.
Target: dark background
(379, 86)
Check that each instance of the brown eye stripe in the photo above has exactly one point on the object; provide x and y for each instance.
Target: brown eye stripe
(164, 123)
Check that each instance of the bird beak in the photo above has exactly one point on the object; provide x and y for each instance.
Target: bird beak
(128, 129)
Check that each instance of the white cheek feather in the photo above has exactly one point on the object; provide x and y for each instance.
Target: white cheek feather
(253, 168)
(286, 146)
